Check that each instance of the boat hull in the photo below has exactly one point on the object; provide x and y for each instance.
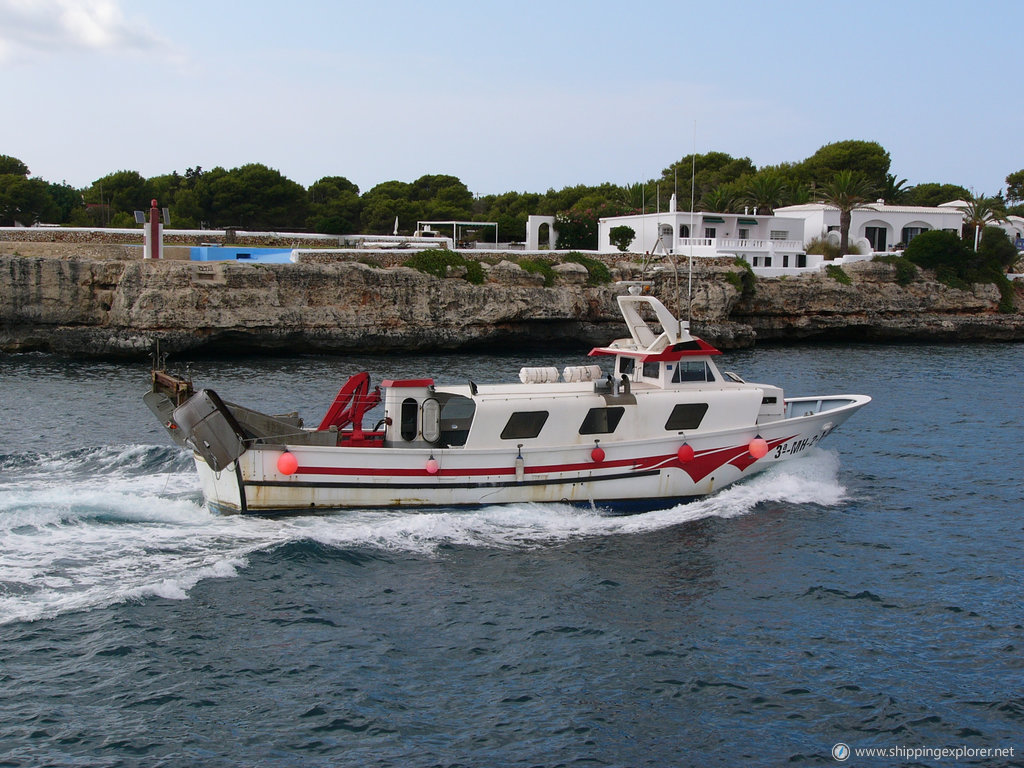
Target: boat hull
(647, 473)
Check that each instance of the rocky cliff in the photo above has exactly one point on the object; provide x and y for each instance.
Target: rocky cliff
(875, 307)
(118, 307)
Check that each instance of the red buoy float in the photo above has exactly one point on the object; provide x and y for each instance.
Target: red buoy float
(758, 447)
(597, 454)
(431, 466)
(287, 464)
(685, 453)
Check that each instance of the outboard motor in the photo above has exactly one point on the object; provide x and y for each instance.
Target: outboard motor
(210, 429)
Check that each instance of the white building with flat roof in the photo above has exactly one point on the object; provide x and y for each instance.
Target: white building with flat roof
(877, 227)
(761, 240)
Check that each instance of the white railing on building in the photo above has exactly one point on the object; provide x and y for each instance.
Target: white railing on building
(731, 244)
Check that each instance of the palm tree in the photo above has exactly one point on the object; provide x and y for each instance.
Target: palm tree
(718, 200)
(979, 210)
(847, 191)
(636, 195)
(895, 190)
(766, 191)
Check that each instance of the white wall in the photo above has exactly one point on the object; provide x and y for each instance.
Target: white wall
(819, 218)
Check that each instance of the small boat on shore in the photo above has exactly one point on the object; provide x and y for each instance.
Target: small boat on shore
(658, 423)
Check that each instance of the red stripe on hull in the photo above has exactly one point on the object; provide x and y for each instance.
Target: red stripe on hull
(702, 465)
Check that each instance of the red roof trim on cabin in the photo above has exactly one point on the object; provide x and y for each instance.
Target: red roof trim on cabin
(669, 355)
(394, 383)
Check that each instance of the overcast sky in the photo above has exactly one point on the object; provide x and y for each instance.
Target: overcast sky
(522, 96)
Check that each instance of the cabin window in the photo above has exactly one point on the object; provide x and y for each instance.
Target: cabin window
(602, 421)
(692, 370)
(456, 418)
(431, 420)
(686, 416)
(410, 410)
(652, 370)
(523, 425)
(626, 365)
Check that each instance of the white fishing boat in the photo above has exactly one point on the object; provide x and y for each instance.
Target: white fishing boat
(657, 424)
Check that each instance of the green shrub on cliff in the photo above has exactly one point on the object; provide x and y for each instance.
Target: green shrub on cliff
(906, 272)
(943, 252)
(744, 281)
(957, 266)
(836, 273)
(598, 270)
(436, 262)
(539, 267)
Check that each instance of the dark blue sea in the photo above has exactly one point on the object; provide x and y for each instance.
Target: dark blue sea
(867, 594)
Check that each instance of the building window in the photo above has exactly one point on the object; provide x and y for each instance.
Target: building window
(778, 234)
(909, 233)
(877, 237)
(686, 416)
(710, 233)
(684, 230)
(601, 421)
(524, 425)
(744, 234)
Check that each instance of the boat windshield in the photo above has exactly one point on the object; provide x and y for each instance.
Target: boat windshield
(457, 414)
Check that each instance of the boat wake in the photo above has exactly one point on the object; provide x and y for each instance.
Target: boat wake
(94, 527)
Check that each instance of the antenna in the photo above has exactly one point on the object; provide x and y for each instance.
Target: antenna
(643, 216)
(693, 192)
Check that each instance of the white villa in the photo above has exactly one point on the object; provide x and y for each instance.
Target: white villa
(776, 245)
(877, 228)
(764, 241)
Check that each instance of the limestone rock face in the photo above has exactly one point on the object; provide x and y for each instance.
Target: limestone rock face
(874, 307)
(119, 307)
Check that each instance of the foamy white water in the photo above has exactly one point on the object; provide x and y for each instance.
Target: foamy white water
(107, 525)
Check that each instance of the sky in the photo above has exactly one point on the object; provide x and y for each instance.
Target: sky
(525, 96)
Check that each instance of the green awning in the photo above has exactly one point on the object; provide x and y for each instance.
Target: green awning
(713, 220)
(748, 222)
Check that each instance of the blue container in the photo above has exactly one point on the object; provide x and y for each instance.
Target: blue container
(233, 253)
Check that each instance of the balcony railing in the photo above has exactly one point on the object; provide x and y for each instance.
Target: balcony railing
(735, 244)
